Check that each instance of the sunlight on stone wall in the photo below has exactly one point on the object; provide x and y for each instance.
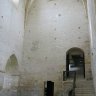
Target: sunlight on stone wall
(16, 2)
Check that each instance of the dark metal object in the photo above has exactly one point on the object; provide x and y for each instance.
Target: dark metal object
(65, 77)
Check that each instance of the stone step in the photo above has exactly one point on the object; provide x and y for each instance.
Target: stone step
(84, 88)
(84, 94)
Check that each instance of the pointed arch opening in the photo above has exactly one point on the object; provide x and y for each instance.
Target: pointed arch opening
(11, 73)
(12, 65)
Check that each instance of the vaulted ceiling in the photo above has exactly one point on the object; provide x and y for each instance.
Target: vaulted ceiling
(28, 4)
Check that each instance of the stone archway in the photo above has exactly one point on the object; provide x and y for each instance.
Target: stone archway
(11, 73)
(75, 61)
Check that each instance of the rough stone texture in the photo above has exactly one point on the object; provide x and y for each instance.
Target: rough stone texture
(10, 92)
(51, 29)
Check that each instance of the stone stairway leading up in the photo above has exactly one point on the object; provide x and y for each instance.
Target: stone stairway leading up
(84, 88)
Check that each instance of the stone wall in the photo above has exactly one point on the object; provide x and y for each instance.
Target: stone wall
(11, 31)
(92, 23)
(52, 27)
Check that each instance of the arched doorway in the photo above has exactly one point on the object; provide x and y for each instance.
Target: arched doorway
(11, 73)
(75, 62)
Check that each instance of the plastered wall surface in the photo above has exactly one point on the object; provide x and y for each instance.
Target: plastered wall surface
(53, 27)
(11, 31)
(92, 22)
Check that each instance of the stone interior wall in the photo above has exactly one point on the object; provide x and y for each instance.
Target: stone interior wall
(11, 32)
(52, 27)
(92, 22)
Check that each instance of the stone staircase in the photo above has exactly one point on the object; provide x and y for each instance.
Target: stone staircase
(84, 88)
(65, 87)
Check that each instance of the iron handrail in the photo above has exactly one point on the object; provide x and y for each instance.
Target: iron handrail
(72, 92)
(74, 84)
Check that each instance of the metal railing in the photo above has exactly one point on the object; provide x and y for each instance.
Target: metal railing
(73, 76)
(74, 84)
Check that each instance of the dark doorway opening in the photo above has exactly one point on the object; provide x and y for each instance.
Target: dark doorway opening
(75, 61)
(48, 88)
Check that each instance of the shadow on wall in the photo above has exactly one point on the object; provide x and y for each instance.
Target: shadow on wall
(11, 76)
